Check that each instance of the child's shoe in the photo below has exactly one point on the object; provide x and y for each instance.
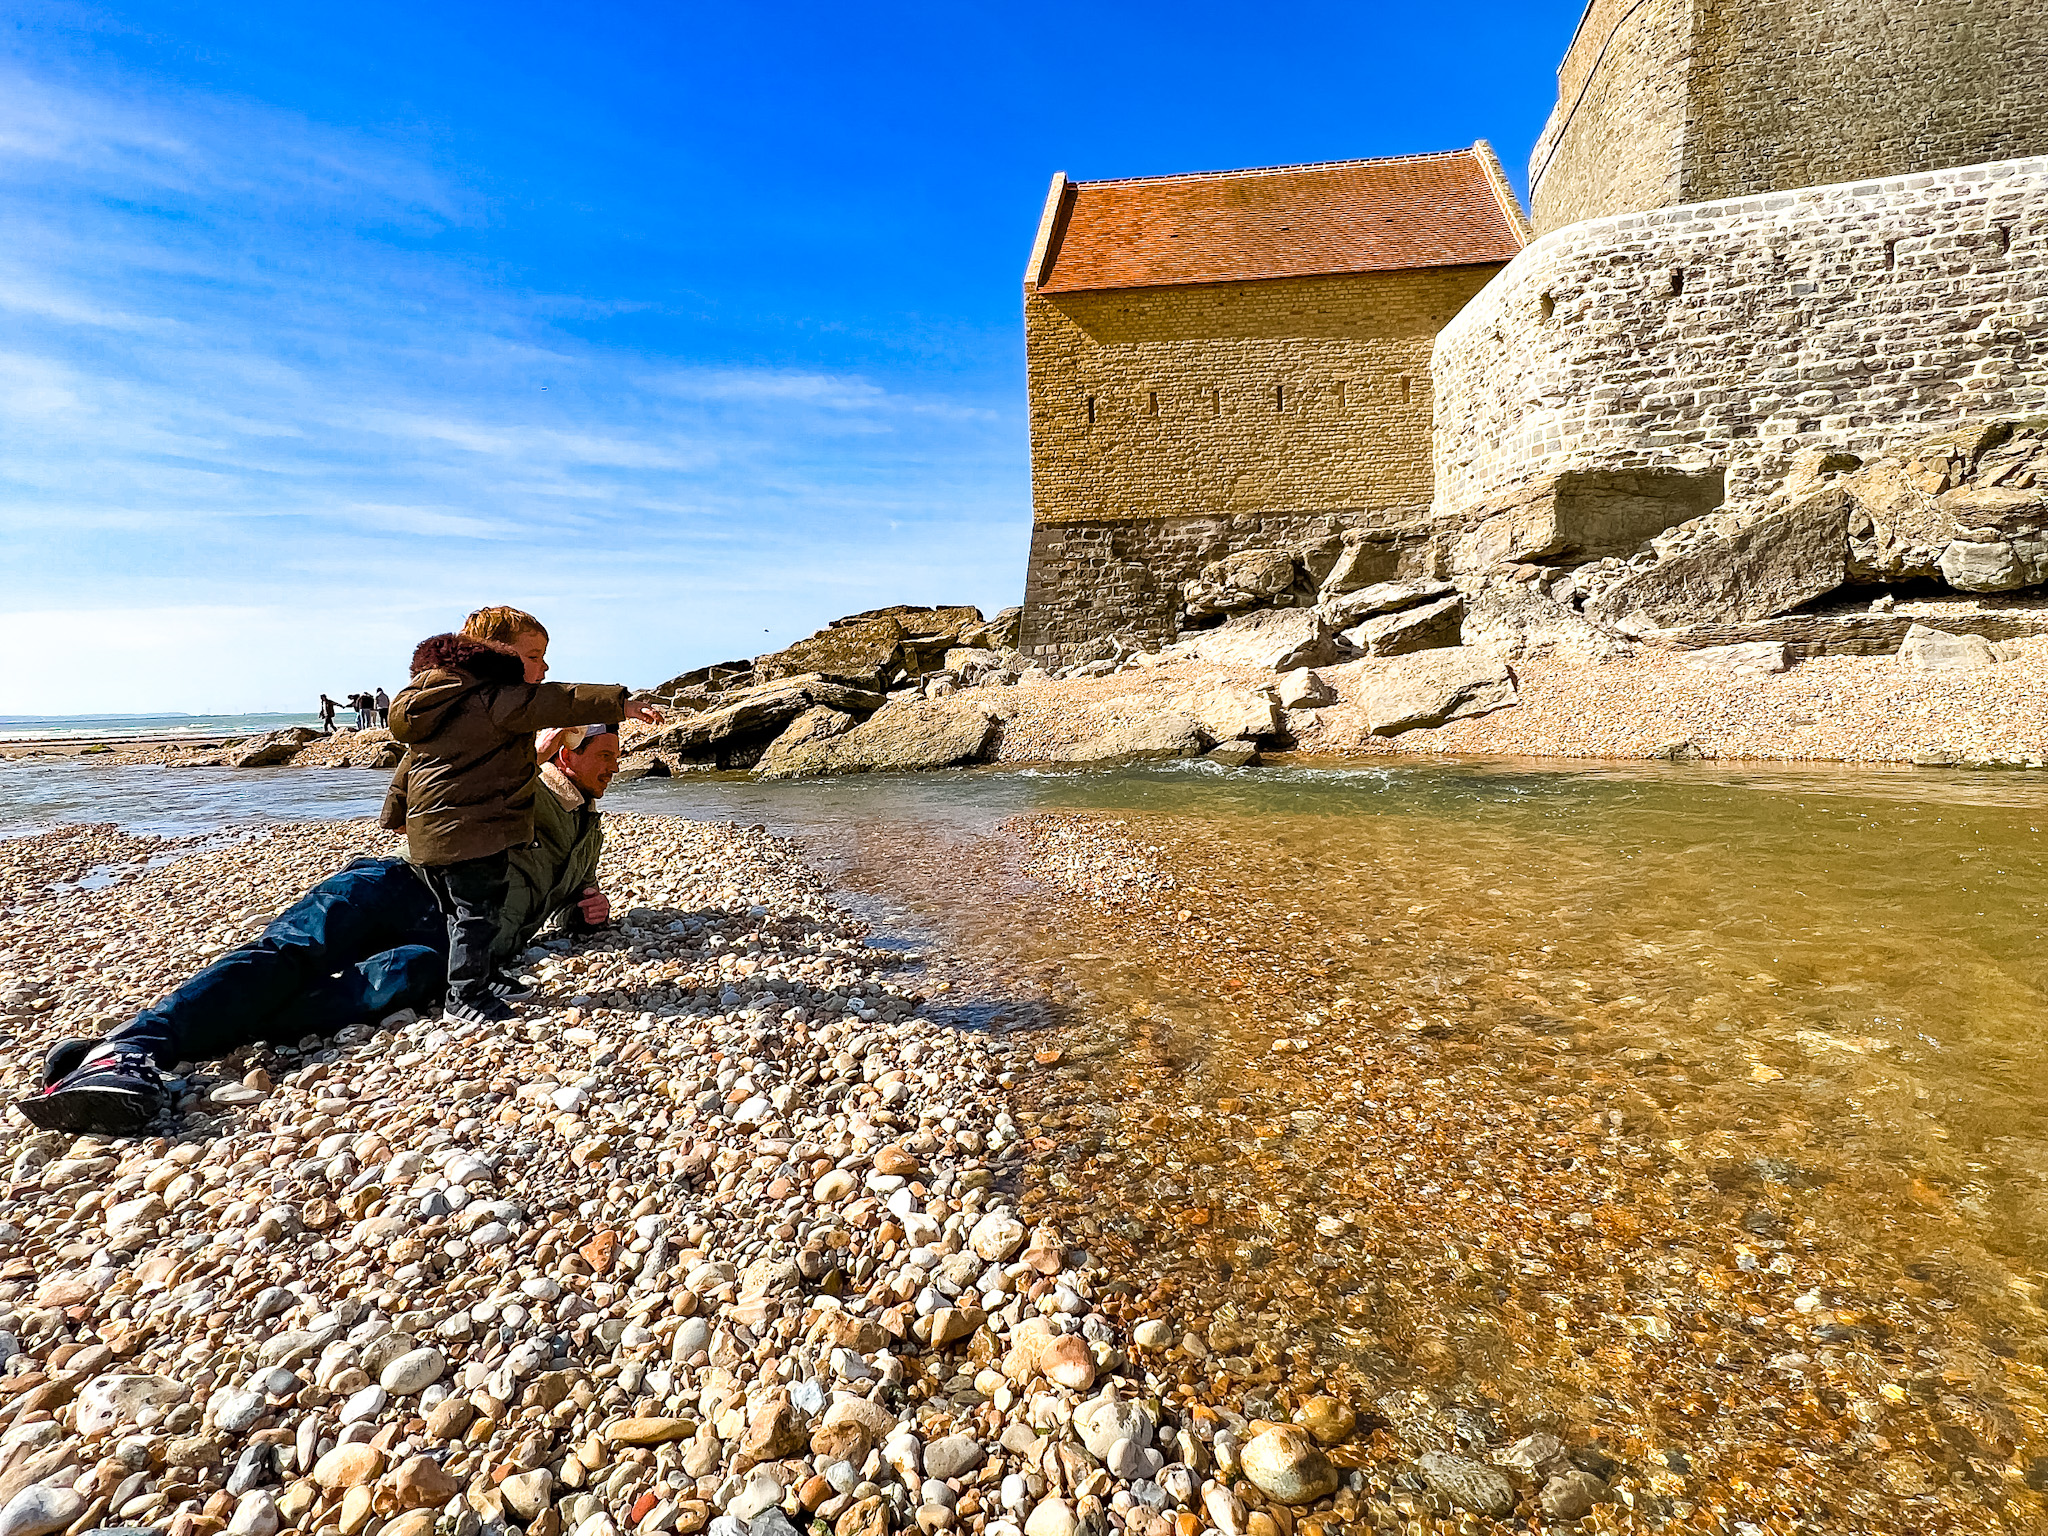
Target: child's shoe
(479, 1008)
(113, 1092)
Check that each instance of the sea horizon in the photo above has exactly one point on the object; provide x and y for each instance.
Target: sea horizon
(168, 724)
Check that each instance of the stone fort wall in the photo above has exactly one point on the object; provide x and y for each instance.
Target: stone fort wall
(1171, 426)
(1668, 102)
(1731, 335)
(1615, 139)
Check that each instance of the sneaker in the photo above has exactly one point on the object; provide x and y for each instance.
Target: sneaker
(482, 1009)
(66, 1057)
(115, 1092)
(508, 988)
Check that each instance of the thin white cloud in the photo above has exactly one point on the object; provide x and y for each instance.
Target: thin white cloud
(201, 399)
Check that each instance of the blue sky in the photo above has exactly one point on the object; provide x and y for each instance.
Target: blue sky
(687, 327)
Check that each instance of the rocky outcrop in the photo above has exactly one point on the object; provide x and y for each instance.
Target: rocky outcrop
(907, 735)
(1267, 640)
(1935, 650)
(884, 649)
(1405, 693)
(1428, 627)
(1768, 566)
(887, 645)
(739, 729)
(1966, 508)
(269, 751)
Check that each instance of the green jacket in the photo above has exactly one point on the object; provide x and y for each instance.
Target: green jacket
(550, 873)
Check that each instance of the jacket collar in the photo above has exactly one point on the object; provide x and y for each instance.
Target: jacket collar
(562, 787)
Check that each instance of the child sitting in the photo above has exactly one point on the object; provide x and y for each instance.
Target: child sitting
(467, 720)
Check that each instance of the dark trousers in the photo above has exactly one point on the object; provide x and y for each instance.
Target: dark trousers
(472, 895)
(361, 944)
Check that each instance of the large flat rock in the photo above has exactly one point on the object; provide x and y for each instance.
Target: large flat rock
(907, 736)
(1430, 627)
(735, 733)
(1769, 567)
(1426, 688)
(1227, 712)
(1164, 732)
(1268, 640)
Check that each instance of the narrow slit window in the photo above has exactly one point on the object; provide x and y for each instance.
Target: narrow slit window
(1340, 394)
(1152, 402)
(1677, 281)
(1279, 398)
(1891, 255)
(1407, 390)
(1547, 304)
(1091, 410)
(1216, 402)
(2005, 239)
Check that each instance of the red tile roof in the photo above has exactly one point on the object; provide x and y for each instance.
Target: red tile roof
(1391, 215)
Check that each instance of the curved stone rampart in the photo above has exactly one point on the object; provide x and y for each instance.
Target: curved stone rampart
(1729, 336)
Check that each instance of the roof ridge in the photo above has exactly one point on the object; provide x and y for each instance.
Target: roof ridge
(1267, 170)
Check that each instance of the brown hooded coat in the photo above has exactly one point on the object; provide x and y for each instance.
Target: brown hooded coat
(467, 720)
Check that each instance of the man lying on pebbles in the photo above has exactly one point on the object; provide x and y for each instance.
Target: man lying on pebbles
(364, 945)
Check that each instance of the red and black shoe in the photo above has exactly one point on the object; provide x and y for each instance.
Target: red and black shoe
(112, 1092)
(66, 1057)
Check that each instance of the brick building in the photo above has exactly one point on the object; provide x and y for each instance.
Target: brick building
(1238, 360)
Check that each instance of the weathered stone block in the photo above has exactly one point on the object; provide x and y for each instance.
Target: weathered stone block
(1770, 567)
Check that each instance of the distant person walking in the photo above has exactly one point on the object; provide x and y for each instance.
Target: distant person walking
(366, 709)
(327, 709)
(383, 709)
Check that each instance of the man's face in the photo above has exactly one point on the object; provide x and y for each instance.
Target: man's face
(593, 767)
(532, 647)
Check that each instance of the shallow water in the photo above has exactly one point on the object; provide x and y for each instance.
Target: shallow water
(1700, 1112)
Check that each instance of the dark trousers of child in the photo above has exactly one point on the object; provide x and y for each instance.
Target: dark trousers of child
(471, 894)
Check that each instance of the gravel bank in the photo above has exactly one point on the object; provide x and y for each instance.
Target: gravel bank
(1851, 709)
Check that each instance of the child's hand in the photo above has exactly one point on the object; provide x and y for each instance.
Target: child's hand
(645, 713)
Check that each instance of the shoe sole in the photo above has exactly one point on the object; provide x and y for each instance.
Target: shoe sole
(88, 1110)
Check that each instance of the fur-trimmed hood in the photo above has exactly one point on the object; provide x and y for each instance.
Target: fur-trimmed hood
(484, 660)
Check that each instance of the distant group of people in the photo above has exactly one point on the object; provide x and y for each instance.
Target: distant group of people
(497, 796)
(372, 709)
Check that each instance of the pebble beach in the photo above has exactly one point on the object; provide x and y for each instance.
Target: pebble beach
(720, 1235)
(751, 1224)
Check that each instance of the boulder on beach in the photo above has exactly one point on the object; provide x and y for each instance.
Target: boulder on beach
(1425, 627)
(270, 750)
(820, 722)
(911, 734)
(1267, 640)
(736, 733)
(1769, 566)
(1937, 650)
(1428, 688)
